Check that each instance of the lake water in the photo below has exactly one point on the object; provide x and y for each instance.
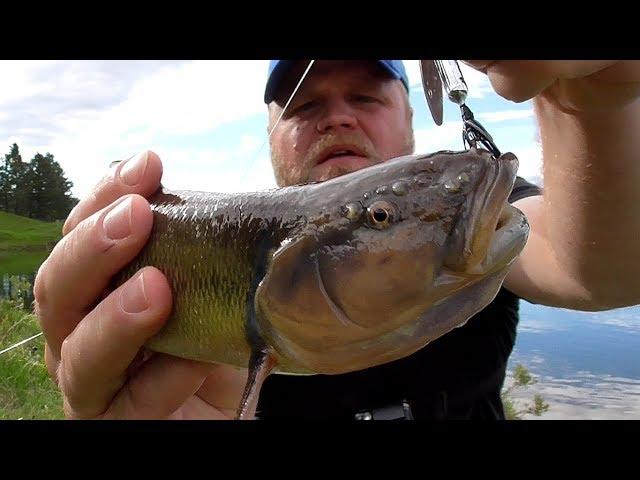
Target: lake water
(587, 365)
(23, 266)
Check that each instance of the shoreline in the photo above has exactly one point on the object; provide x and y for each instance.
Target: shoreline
(12, 249)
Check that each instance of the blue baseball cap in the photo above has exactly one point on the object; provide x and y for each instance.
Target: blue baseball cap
(279, 68)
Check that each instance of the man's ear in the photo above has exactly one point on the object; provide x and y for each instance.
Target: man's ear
(269, 120)
(407, 99)
(272, 116)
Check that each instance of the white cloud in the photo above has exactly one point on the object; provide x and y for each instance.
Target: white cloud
(18, 80)
(239, 169)
(194, 97)
(504, 115)
(627, 318)
(530, 159)
(447, 136)
(259, 176)
(87, 115)
(533, 325)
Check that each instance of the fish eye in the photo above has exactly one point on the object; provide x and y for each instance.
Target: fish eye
(381, 214)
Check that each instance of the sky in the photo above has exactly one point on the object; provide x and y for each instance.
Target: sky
(206, 119)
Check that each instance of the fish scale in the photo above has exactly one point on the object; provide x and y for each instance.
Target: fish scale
(206, 252)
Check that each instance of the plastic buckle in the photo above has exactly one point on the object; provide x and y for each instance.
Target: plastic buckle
(395, 411)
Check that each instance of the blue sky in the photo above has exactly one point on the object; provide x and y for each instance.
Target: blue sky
(205, 119)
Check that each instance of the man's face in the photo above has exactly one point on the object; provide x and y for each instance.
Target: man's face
(345, 116)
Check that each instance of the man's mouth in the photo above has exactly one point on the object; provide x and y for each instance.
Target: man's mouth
(339, 151)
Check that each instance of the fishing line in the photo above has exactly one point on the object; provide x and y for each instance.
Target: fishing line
(311, 62)
(20, 343)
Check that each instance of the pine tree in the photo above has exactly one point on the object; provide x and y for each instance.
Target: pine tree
(13, 175)
(51, 191)
(38, 189)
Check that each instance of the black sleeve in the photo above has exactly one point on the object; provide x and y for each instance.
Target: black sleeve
(522, 189)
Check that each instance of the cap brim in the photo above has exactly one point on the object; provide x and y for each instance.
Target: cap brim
(283, 66)
(278, 73)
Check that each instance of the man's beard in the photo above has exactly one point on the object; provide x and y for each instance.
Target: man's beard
(300, 173)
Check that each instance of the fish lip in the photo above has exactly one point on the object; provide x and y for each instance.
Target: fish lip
(486, 205)
(328, 153)
(507, 241)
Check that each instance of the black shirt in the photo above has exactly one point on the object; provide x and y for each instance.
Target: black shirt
(458, 376)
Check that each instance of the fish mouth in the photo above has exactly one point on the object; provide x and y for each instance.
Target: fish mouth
(509, 238)
(495, 231)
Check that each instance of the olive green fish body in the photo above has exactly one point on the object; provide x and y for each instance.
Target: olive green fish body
(335, 276)
(212, 248)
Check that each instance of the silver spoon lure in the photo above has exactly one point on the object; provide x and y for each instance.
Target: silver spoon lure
(446, 74)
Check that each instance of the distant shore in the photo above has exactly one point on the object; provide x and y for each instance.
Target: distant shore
(25, 243)
(26, 234)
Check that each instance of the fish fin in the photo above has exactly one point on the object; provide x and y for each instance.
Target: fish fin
(261, 364)
(289, 268)
(290, 291)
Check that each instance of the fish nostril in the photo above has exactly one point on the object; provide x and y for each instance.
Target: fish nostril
(452, 185)
(352, 210)
(463, 177)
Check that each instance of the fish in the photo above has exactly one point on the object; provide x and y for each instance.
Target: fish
(336, 276)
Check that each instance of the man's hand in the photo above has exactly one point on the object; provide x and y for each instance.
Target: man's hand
(588, 116)
(574, 85)
(94, 339)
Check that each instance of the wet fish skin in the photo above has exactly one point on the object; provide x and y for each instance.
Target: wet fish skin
(307, 274)
(210, 247)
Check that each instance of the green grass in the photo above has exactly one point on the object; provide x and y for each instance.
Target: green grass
(26, 390)
(22, 262)
(22, 233)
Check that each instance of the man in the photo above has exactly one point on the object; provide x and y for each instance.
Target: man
(346, 116)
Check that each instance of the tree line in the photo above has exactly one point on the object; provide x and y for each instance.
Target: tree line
(36, 189)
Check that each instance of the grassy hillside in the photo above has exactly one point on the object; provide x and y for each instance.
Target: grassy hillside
(26, 390)
(17, 233)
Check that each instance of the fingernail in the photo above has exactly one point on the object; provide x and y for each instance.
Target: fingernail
(117, 223)
(134, 297)
(132, 170)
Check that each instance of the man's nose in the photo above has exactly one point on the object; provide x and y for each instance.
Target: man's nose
(337, 117)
